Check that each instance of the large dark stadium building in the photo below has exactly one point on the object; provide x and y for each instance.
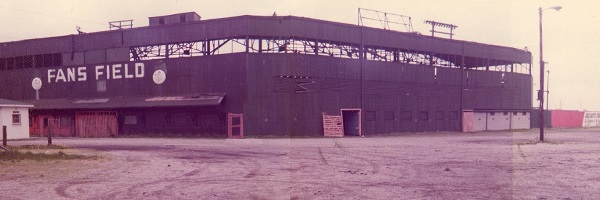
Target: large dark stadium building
(258, 75)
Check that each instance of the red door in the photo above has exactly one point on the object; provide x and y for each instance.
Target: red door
(235, 125)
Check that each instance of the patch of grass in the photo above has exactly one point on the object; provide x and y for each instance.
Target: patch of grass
(16, 155)
(39, 146)
(538, 142)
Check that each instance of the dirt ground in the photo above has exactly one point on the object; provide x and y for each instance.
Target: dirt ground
(490, 165)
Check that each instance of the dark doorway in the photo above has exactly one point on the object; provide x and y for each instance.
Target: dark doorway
(351, 120)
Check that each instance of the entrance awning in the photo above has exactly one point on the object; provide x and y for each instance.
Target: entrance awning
(193, 100)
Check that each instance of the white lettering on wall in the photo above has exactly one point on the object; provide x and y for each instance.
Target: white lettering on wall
(107, 71)
(98, 72)
(81, 74)
(60, 75)
(101, 72)
(51, 75)
(70, 74)
(116, 68)
(139, 70)
(127, 75)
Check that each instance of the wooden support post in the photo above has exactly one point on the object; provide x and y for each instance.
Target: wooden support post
(4, 135)
(49, 134)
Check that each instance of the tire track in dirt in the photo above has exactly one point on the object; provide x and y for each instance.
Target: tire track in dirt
(62, 189)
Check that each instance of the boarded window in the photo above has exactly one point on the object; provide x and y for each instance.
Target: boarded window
(16, 118)
(389, 116)
(423, 115)
(454, 115)
(56, 59)
(130, 119)
(10, 63)
(370, 116)
(181, 119)
(407, 115)
(154, 119)
(101, 86)
(66, 121)
(439, 115)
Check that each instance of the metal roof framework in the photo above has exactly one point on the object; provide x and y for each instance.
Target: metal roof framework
(275, 34)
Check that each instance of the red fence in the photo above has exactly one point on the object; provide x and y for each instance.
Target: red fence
(566, 118)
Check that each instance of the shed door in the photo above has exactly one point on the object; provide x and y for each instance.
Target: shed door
(479, 121)
(97, 124)
(235, 125)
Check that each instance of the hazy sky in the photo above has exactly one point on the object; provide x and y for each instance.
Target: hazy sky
(571, 35)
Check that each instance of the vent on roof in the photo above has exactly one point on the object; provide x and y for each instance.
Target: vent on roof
(174, 18)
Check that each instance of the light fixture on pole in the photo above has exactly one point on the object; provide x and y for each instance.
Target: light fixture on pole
(541, 91)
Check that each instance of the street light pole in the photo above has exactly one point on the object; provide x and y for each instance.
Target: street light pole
(541, 91)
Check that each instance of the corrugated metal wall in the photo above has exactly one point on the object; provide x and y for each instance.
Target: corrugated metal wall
(288, 92)
(281, 94)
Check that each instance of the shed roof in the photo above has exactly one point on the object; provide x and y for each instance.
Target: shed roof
(11, 103)
(130, 102)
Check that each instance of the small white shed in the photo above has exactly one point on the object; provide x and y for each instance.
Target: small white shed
(15, 116)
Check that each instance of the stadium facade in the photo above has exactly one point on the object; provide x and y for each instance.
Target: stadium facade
(263, 75)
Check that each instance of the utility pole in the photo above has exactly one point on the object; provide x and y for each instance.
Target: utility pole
(548, 90)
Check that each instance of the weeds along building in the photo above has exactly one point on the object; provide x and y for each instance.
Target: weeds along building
(263, 75)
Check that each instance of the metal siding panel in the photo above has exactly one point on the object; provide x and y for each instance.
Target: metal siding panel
(95, 57)
(425, 74)
(117, 55)
(78, 59)
(36, 46)
(99, 40)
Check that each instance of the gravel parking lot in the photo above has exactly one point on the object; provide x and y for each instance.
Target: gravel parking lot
(489, 165)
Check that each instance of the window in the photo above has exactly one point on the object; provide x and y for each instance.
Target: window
(370, 116)
(182, 18)
(407, 115)
(389, 116)
(524, 113)
(492, 113)
(515, 113)
(439, 115)
(454, 115)
(505, 113)
(16, 118)
(423, 115)
(161, 20)
(130, 119)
